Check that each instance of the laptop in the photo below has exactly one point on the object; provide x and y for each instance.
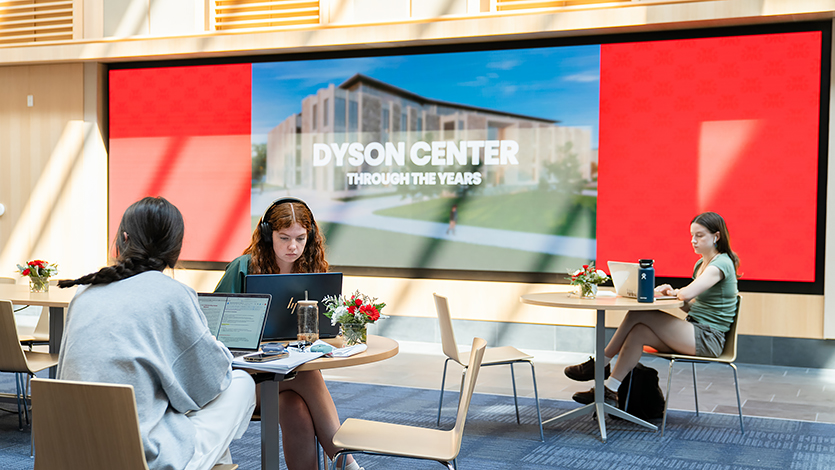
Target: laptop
(286, 290)
(236, 320)
(625, 278)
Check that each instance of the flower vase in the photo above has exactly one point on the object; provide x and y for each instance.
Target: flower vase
(38, 284)
(588, 291)
(353, 333)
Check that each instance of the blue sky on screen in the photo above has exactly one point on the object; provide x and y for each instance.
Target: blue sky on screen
(560, 83)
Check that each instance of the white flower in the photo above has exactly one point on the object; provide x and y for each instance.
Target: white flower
(577, 272)
(601, 273)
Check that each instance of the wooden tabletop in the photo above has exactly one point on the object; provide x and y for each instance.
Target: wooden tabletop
(566, 300)
(379, 348)
(19, 294)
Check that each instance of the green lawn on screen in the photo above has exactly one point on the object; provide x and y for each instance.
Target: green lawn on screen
(349, 245)
(545, 212)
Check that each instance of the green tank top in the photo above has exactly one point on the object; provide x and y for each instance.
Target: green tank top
(716, 307)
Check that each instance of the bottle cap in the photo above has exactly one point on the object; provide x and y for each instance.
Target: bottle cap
(646, 263)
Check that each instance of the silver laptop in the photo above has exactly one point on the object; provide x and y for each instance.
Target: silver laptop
(236, 320)
(625, 278)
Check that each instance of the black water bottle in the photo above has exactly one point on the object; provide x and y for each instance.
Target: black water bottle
(646, 281)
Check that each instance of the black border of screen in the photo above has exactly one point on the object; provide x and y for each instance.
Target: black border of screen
(485, 44)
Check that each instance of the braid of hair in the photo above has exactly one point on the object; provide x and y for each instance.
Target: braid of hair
(122, 270)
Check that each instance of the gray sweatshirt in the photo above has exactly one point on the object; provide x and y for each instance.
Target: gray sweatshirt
(148, 331)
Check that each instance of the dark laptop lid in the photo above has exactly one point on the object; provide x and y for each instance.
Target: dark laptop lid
(286, 290)
(236, 320)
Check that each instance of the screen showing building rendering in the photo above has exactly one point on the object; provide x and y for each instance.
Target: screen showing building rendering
(531, 160)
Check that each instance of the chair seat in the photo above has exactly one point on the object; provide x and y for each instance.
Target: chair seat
(26, 338)
(39, 361)
(497, 355)
(724, 358)
(396, 439)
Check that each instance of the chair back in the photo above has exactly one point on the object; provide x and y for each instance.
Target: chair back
(447, 335)
(729, 351)
(476, 355)
(12, 357)
(84, 425)
(6, 280)
(42, 327)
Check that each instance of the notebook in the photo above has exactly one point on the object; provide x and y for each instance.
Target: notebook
(236, 320)
(625, 278)
(286, 290)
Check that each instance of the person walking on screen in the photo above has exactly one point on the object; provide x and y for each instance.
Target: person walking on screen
(710, 301)
(453, 219)
(131, 324)
(288, 240)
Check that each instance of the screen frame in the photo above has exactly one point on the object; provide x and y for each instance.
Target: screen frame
(486, 44)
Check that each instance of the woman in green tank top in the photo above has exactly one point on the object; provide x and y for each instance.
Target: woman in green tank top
(710, 300)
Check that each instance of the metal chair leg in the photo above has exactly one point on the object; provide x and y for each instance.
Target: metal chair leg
(343, 454)
(667, 397)
(441, 400)
(515, 398)
(536, 397)
(738, 401)
(17, 381)
(695, 388)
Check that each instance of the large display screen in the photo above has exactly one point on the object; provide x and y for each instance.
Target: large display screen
(527, 159)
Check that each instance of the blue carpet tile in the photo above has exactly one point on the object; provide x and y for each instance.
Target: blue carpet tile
(493, 440)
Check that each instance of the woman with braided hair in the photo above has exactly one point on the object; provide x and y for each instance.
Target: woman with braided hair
(131, 324)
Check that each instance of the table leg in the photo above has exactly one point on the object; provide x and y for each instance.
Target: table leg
(599, 405)
(599, 346)
(56, 332)
(270, 448)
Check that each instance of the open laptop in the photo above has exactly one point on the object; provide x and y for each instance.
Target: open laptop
(286, 290)
(625, 278)
(236, 320)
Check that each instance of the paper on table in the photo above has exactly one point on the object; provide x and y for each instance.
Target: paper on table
(344, 352)
(279, 366)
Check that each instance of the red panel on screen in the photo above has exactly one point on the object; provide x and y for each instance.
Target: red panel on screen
(184, 133)
(723, 124)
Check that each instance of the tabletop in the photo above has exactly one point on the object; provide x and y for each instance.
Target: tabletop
(19, 294)
(566, 300)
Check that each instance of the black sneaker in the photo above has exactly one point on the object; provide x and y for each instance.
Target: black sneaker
(585, 371)
(610, 397)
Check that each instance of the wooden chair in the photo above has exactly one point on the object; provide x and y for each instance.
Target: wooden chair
(505, 355)
(372, 437)
(14, 359)
(90, 426)
(728, 357)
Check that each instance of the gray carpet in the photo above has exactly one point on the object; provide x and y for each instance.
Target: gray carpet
(493, 440)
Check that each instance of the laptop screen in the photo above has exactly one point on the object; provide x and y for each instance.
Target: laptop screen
(286, 291)
(236, 320)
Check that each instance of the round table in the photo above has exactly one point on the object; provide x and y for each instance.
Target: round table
(601, 304)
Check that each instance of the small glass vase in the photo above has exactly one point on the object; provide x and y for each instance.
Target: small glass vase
(38, 284)
(353, 333)
(588, 291)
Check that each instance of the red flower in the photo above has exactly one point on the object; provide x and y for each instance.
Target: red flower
(25, 272)
(352, 309)
(358, 302)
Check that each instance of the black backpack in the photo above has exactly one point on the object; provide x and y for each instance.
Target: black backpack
(646, 400)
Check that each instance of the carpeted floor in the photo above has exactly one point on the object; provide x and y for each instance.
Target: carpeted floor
(493, 440)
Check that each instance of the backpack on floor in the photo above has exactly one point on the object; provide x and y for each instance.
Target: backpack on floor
(646, 400)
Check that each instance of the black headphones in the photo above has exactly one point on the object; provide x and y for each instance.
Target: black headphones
(266, 229)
